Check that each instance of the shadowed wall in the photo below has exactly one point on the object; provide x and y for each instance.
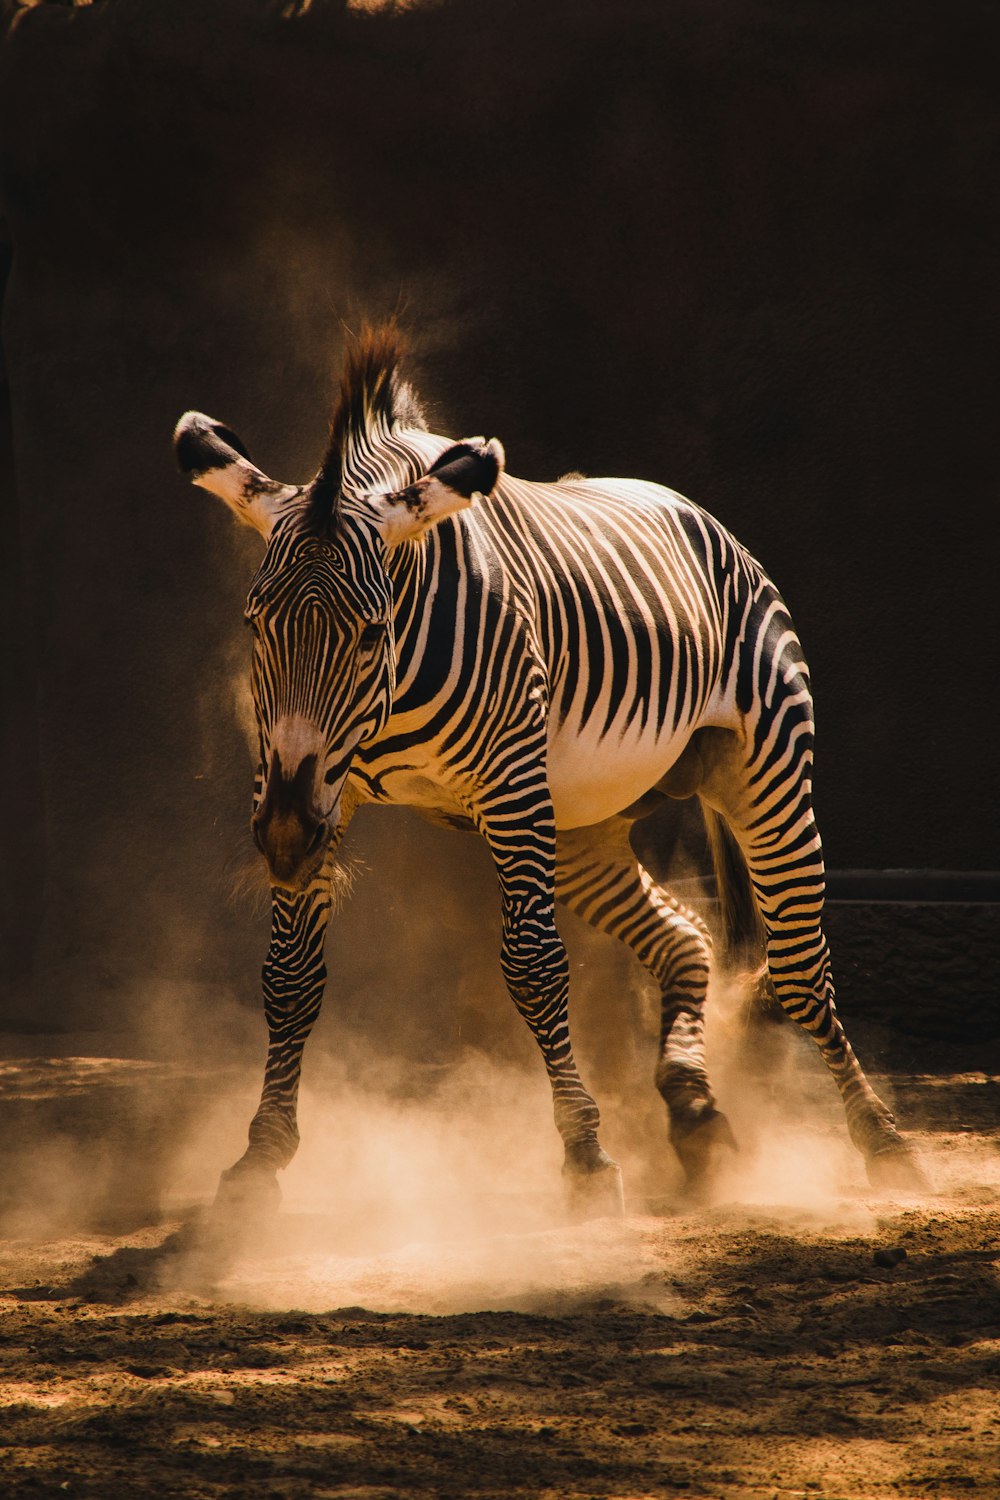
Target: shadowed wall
(741, 248)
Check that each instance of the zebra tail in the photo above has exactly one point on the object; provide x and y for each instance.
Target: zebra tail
(744, 940)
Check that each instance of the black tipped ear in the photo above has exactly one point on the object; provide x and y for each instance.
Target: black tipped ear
(464, 472)
(213, 458)
(202, 444)
(470, 467)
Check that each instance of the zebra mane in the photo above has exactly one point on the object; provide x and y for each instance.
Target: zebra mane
(372, 399)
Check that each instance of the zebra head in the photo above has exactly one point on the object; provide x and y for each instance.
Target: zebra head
(320, 608)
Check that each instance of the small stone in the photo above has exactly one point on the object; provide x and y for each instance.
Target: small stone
(889, 1257)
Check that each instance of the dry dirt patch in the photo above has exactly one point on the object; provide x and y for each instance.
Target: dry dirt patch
(754, 1349)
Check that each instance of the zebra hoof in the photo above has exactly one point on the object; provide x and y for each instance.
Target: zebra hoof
(595, 1195)
(246, 1193)
(245, 1197)
(704, 1147)
(893, 1168)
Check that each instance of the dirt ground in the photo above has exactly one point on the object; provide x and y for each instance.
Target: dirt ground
(758, 1348)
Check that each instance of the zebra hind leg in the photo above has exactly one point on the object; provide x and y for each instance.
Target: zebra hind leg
(600, 879)
(770, 816)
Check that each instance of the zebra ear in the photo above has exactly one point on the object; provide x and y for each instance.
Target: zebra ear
(214, 458)
(465, 472)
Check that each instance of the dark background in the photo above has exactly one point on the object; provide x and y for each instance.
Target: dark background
(742, 247)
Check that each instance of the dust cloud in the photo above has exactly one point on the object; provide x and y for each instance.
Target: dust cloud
(428, 1177)
(435, 1187)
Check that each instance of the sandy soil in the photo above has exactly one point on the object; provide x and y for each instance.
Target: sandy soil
(757, 1348)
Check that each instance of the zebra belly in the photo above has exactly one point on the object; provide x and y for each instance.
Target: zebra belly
(593, 776)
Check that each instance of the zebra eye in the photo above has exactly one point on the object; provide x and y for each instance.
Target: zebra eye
(372, 634)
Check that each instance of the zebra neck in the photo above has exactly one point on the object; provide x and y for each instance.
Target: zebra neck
(412, 567)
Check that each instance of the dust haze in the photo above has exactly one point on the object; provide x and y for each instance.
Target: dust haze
(428, 1178)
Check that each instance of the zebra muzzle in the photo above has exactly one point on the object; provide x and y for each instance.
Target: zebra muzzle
(288, 829)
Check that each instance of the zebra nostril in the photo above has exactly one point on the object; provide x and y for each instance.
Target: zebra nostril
(317, 840)
(257, 835)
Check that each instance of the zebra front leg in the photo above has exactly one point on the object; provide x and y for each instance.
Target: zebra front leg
(536, 969)
(294, 977)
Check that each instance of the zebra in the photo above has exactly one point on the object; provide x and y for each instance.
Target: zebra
(544, 664)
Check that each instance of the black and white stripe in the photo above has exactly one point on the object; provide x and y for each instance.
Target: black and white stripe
(544, 664)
